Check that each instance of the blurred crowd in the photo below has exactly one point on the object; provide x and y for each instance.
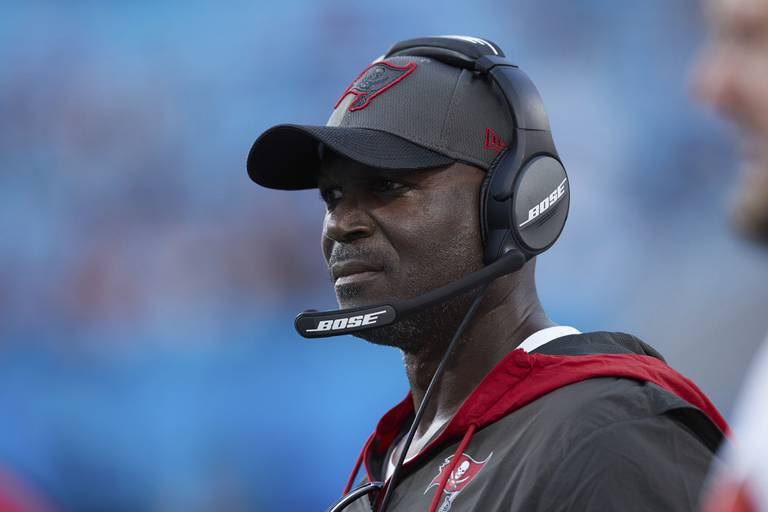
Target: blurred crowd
(148, 288)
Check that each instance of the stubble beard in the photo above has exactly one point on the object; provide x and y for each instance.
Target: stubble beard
(427, 329)
(431, 328)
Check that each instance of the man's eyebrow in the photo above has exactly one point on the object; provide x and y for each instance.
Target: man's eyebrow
(378, 173)
(397, 173)
(408, 174)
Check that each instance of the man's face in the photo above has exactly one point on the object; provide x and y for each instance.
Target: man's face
(398, 234)
(732, 75)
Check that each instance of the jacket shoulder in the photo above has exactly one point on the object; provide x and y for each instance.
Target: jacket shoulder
(639, 464)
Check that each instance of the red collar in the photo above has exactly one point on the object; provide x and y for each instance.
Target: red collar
(501, 392)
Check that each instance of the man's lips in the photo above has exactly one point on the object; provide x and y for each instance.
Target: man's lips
(352, 270)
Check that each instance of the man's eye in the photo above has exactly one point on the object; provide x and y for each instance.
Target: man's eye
(384, 185)
(330, 195)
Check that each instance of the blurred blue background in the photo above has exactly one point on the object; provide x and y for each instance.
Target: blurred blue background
(147, 287)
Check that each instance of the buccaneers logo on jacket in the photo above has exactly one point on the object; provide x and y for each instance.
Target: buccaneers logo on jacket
(466, 469)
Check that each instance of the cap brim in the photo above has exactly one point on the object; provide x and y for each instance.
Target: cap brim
(286, 156)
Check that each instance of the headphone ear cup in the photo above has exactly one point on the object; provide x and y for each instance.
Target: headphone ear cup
(540, 206)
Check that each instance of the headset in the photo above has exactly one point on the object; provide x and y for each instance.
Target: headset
(524, 203)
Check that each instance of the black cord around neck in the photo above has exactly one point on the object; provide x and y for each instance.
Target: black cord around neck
(428, 394)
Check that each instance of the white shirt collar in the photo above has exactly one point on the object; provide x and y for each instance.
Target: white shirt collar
(543, 336)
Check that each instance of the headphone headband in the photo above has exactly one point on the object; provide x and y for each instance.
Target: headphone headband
(482, 56)
(469, 48)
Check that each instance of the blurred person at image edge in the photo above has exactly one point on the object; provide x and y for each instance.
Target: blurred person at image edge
(731, 74)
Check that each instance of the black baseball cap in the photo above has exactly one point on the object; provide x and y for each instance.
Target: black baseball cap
(401, 112)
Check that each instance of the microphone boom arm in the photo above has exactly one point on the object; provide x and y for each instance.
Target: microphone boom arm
(323, 324)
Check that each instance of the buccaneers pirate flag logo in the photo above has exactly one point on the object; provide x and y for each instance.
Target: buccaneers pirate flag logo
(466, 469)
(374, 80)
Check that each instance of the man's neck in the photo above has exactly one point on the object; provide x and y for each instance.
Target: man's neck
(494, 332)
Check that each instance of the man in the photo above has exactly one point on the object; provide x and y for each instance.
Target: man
(732, 76)
(529, 415)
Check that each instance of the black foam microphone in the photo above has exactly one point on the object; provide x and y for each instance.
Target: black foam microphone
(323, 324)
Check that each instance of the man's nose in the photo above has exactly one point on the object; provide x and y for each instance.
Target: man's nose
(348, 221)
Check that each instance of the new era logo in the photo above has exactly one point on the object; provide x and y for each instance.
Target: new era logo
(493, 141)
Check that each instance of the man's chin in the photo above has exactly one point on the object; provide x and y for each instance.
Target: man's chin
(355, 296)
